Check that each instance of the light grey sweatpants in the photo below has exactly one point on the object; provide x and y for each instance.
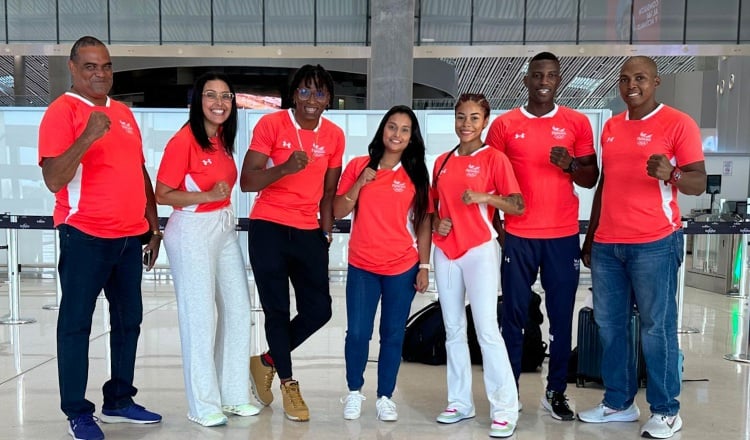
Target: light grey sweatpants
(213, 307)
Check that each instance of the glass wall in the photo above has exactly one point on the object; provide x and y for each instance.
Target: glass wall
(23, 192)
(345, 22)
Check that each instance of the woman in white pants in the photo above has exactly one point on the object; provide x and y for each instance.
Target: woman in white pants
(469, 184)
(196, 176)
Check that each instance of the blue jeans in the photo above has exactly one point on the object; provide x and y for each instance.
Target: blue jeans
(363, 292)
(647, 274)
(87, 265)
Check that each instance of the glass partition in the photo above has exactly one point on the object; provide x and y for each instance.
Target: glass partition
(23, 192)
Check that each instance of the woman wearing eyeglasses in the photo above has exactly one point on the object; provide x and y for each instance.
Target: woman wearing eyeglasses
(196, 176)
(294, 163)
(470, 183)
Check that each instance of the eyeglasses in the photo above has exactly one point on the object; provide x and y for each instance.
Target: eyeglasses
(305, 94)
(215, 96)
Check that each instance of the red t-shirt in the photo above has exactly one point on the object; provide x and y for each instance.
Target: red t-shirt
(485, 170)
(185, 166)
(637, 208)
(106, 197)
(293, 200)
(383, 239)
(551, 202)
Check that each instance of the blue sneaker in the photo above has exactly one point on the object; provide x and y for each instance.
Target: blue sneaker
(130, 414)
(84, 427)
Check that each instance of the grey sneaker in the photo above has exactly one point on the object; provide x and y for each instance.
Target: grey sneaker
(659, 426)
(604, 414)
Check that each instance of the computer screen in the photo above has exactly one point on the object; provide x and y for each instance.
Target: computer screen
(713, 184)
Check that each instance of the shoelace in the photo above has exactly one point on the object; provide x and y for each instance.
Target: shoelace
(86, 420)
(268, 378)
(387, 405)
(294, 395)
(352, 401)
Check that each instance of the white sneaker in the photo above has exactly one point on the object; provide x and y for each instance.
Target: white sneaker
(452, 415)
(352, 405)
(603, 414)
(659, 426)
(386, 410)
(501, 429)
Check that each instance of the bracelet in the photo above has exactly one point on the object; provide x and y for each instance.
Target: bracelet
(157, 233)
(346, 196)
(424, 266)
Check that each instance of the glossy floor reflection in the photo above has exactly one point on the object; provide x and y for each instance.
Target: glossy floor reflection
(714, 399)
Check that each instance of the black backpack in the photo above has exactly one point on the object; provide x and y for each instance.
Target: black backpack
(534, 348)
(424, 339)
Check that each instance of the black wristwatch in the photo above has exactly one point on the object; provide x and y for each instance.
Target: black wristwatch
(572, 167)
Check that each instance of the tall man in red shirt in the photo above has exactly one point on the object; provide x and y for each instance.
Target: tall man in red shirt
(634, 246)
(550, 148)
(91, 155)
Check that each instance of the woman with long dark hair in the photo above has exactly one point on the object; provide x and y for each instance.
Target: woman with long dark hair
(196, 176)
(389, 251)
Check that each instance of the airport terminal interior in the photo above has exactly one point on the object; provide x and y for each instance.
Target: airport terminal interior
(422, 53)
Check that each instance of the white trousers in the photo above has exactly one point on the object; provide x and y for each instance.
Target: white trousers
(213, 307)
(475, 276)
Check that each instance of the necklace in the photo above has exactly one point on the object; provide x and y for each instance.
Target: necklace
(314, 144)
(299, 139)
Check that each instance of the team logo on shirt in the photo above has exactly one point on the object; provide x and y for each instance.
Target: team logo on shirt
(318, 150)
(473, 170)
(644, 138)
(126, 126)
(206, 162)
(398, 186)
(286, 144)
(519, 136)
(558, 133)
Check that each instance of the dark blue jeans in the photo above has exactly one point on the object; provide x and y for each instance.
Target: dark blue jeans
(647, 272)
(557, 260)
(87, 265)
(364, 290)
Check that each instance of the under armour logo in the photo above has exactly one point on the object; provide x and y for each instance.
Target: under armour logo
(507, 259)
(520, 135)
(206, 162)
(286, 144)
(611, 139)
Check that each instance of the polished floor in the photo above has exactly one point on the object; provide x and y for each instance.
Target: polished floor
(714, 400)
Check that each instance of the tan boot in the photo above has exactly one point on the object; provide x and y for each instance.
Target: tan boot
(261, 378)
(294, 405)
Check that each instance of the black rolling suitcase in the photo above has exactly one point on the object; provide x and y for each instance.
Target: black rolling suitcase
(590, 350)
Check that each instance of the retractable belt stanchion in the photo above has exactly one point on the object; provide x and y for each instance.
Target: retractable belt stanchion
(14, 278)
(681, 291)
(58, 288)
(744, 325)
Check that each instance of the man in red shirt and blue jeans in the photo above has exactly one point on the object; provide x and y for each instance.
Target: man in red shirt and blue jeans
(91, 155)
